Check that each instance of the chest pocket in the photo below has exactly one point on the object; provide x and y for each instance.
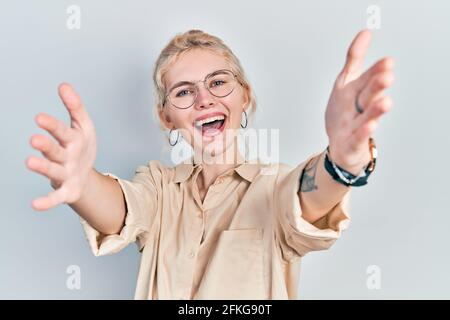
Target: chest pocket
(235, 270)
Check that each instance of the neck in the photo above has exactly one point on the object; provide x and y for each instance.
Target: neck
(214, 166)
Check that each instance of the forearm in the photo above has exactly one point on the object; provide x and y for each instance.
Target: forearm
(102, 204)
(319, 192)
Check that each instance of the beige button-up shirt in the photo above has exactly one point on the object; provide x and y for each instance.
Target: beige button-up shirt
(244, 241)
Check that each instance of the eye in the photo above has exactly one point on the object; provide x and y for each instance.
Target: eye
(182, 93)
(217, 83)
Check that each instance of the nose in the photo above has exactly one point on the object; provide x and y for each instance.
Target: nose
(204, 98)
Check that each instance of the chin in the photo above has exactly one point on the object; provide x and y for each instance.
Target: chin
(217, 149)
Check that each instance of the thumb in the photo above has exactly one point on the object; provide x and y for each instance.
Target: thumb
(74, 105)
(355, 56)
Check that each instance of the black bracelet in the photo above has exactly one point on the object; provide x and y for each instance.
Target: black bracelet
(347, 178)
(344, 177)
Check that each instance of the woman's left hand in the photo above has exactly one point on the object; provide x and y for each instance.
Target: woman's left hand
(348, 130)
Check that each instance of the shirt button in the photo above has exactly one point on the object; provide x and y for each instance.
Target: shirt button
(191, 254)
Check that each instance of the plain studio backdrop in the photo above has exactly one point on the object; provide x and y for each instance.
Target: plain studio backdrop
(292, 51)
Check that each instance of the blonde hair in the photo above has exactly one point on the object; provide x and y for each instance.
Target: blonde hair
(194, 39)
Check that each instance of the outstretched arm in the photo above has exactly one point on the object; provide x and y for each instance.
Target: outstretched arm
(68, 162)
(347, 129)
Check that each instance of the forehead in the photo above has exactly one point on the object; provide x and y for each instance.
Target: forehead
(194, 65)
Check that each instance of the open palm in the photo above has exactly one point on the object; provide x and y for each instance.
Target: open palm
(67, 161)
(347, 129)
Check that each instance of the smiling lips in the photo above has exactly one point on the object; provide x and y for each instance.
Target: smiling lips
(210, 124)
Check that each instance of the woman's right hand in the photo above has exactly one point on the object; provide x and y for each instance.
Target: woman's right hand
(69, 160)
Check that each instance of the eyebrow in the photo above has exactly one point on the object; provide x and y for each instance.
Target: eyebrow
(182, 83)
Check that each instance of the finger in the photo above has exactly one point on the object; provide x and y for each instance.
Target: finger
(355, 56)
(364, 132)
(378, 108)
(374, 88)
(53, 199)
(50, 149)
(385, 64)
(74, 105)
(58, 129)
(47, 168)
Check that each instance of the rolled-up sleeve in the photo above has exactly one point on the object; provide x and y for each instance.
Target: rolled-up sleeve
(297, 236)
(141, 200)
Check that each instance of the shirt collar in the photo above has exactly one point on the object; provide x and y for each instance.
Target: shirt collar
(247, 170)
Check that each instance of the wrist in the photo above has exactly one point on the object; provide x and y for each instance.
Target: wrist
(87, 186)
(353, 169)
(355, 165)
(347, 178)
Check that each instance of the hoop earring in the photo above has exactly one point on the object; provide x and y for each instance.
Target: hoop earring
(170, 135)
(246, 121)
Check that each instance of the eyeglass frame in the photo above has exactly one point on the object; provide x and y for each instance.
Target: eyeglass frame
(196, 88)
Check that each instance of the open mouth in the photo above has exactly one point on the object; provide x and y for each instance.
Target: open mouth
(212, 126)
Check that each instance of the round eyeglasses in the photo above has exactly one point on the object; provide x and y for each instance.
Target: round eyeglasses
(219, 83)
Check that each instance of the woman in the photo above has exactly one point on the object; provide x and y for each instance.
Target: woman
(210, 228)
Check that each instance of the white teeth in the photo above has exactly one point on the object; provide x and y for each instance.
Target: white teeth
(199, 123)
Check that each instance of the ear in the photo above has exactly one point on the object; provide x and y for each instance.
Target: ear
(246, 99)
(165, 119)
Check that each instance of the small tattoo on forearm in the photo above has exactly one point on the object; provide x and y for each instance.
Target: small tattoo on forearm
(309, 176)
